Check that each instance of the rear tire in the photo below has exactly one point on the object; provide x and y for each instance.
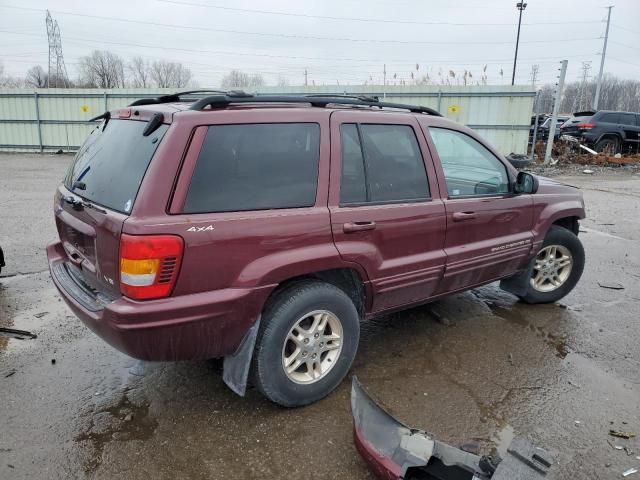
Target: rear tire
(293, 322)
(560, 247)
(607, 145)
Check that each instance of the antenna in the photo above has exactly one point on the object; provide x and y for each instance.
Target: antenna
(57, 68)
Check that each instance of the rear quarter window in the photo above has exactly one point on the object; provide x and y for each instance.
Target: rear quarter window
(255, 167)
(111, 164)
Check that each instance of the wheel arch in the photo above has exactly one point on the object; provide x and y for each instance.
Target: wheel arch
(347, 279)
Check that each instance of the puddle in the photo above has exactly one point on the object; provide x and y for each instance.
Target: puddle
(122, 422)
(514, 315)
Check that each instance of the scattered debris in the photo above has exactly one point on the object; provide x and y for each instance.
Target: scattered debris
(626, 473)
(440, 318)
(53, 361)
(611, 286)
(574, 384)
(587, 149)
(628, 451)
(392, 450)
(519, 160)
(128, 417)
(577, 422)
(10, 374)
(620, 434)
(40, 315)
(588, 172)
(17, 334)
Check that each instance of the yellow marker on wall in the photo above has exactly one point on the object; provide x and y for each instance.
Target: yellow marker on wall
(84, 108)
(453, 109)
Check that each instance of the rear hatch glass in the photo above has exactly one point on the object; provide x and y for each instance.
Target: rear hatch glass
(108, 168)
(106, 173)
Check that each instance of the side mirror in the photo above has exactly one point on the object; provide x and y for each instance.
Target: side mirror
(526, 183)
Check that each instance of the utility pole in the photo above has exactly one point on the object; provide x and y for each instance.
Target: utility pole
(604, 53)
(305, 77)
(536, 109)
(384, 81)
(554, 115)
(520, 6)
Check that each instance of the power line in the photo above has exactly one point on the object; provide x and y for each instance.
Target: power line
(219, 52)
(292, 36)
(352, 19)
(632, 47)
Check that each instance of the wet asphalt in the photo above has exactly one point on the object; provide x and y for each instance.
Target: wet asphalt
(482, 368)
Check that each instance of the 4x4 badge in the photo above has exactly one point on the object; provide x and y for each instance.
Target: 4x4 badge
(200, 229)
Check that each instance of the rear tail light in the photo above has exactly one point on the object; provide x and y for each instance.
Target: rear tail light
(149, 265)
(585, 126)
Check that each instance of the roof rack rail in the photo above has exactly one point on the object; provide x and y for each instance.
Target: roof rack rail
(229, 98)
(175, 97)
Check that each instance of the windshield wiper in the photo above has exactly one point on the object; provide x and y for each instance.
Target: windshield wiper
(106, 116)
(79, 204)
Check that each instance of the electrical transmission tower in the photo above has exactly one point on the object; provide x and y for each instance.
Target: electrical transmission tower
(57, 69)
(583, 103)
(534, 74)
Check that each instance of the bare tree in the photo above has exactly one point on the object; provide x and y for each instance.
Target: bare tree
(238, 79)
(139, 72)
(169, 74)
(9, 80)
(36, 77)
(616, 94)
(102, 69)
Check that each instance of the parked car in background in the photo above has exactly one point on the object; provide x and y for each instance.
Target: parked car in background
(605, 130)
(544, 126)
(1, 259)
(262, 229)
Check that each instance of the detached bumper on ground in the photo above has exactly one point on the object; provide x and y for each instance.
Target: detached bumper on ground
(393, 451)
(189, 327)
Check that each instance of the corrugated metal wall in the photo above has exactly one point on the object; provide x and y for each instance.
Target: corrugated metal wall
(52, 119)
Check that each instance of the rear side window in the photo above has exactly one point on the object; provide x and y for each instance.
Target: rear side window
(610, 118)
(256, 167)
(380, 164)
(110, 165)
(627, 119)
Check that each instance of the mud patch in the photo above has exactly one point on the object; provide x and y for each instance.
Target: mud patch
(122, 422)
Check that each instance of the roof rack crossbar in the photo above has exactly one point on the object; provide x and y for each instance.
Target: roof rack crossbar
(224, 100)
(175, 97)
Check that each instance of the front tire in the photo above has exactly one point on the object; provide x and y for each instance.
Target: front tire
(556, 269)
(306, 344)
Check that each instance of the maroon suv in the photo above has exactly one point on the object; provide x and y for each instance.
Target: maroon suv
(263, 229)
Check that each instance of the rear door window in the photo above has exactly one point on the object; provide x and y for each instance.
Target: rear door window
(110, 165)
(256, 167)
(627, 119)
(610, 118)
(381, 164)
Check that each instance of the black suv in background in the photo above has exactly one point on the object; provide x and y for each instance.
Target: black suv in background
(605, 130)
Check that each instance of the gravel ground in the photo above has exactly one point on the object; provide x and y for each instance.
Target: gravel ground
(563, 375)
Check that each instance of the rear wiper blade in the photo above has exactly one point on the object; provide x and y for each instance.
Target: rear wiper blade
(106, 116)
(79, 204)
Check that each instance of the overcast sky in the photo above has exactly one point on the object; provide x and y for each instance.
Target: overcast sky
(345, 41)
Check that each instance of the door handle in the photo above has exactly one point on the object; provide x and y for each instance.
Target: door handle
(358, 226)
(462, 216)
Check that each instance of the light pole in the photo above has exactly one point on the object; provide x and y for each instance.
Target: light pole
(520, 6)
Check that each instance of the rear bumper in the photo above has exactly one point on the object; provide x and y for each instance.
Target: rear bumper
(187, 327)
